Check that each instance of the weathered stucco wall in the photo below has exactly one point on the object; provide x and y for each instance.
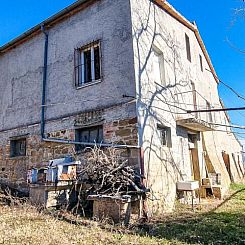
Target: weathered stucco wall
(21, 75)
(129, 30)
(21, 67)
(164, 100)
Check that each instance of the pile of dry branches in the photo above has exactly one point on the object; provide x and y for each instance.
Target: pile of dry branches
(108, 173)
(11, 197)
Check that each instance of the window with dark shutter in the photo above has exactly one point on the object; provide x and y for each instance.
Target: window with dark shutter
(89, 135)
(188, 48)
(201, 65)
(209, 114)
(165, 135)
(87, 60)
(18, 147)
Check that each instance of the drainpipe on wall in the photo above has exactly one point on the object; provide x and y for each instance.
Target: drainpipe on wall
(45, 67)
(64, 141)
(72, 142)
(44, 83)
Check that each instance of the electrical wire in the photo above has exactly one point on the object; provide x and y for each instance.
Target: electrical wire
(229, 132)
(227, 125)
(233, 104)
(229, 87)
(216, 124)
(169, 104)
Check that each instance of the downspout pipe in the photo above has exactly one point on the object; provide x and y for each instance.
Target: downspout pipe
(64, 141)
(44, 83)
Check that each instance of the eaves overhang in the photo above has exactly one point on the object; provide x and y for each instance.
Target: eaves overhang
(65, 13)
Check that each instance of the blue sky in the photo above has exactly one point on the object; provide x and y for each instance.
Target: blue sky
(217, 22)
(215, 19)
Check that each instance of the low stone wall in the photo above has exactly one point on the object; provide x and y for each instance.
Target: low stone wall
(117, 210)
(48, 196)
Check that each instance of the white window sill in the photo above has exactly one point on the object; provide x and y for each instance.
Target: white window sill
(88, 84)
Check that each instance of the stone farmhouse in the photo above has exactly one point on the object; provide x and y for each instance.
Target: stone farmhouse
(129, 73)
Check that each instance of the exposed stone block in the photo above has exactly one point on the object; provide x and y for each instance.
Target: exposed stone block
(123, 132)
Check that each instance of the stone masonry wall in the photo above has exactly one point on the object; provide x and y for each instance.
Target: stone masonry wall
(13, 170)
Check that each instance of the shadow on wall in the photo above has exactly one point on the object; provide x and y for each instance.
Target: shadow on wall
(162, 101)
(148, 34)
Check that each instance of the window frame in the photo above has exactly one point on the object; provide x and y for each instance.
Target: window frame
(168, 136)
(159, 54)
(201, 62)
(209, 113)
(80, 64)
(79, 131)
(188, 47)
(14, 142)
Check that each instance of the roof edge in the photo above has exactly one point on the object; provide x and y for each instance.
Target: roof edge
(174, 13)
(74, 7)
(47, 23)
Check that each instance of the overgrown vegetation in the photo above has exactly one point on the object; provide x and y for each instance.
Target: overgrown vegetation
(224, 224)
(104, 173)
(23, 224)
(108, 173)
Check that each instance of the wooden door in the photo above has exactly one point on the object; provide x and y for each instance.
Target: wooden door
(195, 164)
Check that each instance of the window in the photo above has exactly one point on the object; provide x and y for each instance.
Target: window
(194, 96)
(188, 49)
(65, 169)
(87, 64)
(201, 66)
(18, 147)
(165, 135)
(158, 66)
(192, 138)
(209, 114)
(89, 135)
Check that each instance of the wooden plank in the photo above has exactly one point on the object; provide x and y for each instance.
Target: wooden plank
(195, 164)
(226, 159)
(236, 165)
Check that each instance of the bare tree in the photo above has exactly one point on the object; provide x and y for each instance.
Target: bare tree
(239, 15)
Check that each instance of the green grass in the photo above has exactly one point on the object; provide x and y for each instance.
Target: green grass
(236, 187)
(224, 225)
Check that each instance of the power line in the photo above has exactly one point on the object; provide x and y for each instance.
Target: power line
(229, 87)
(230, 132)
(229, 126)
(217, 109)
(185, 111)
(216, 124)
(233, 104)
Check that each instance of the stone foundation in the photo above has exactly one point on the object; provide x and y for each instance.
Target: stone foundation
(49, 196)
(119, 211)
(13, 170)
